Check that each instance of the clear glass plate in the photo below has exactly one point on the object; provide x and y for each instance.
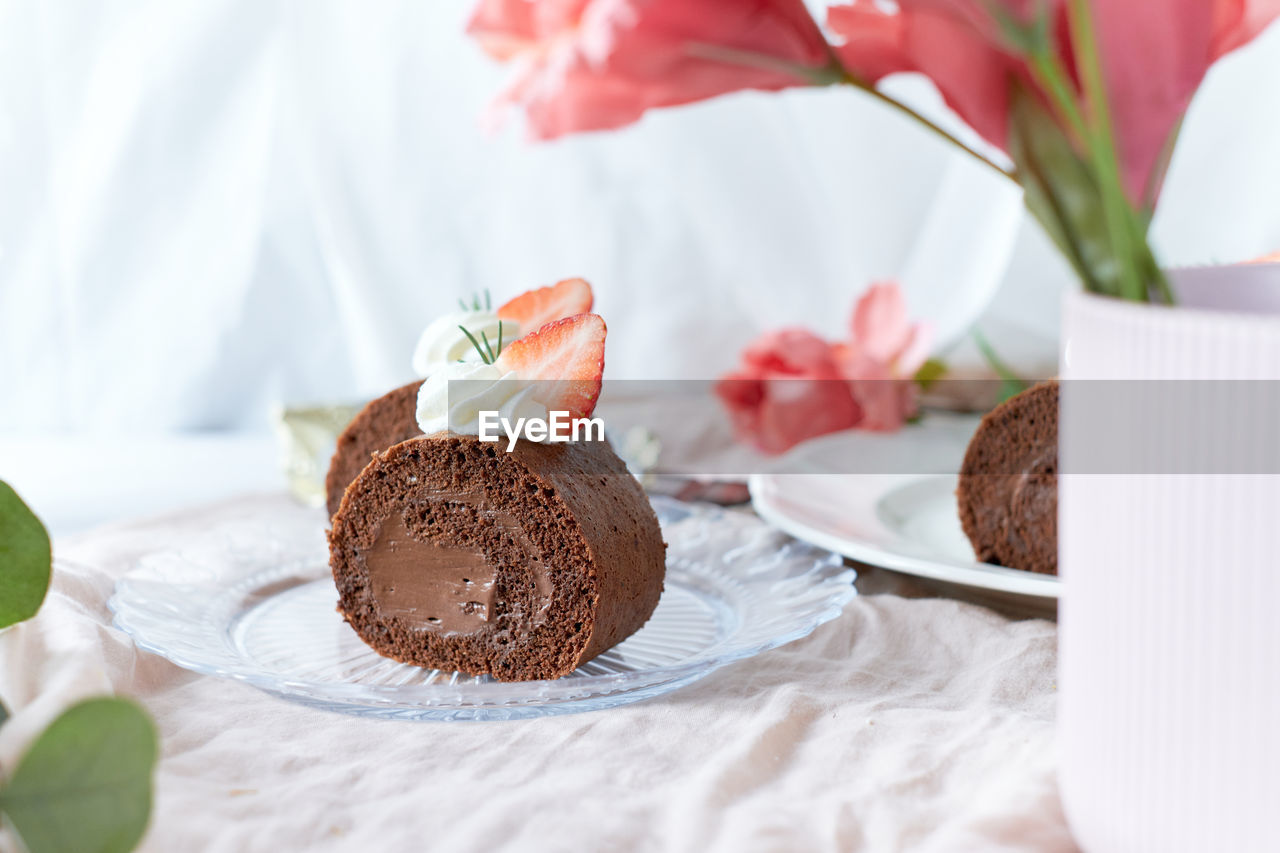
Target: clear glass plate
(735, 587)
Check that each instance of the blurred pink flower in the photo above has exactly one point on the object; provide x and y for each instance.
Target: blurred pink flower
(793, 385)
(597, 64)
(881, 330)
(883, 357)
(1154, 55)
(787, 389)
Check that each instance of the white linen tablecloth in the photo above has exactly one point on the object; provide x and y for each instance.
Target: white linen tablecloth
(921, 724)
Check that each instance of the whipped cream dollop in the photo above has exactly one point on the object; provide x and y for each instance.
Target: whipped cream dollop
(443, 342)
(477, 387)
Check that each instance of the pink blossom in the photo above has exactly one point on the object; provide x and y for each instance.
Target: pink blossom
(1154, 56)
(883, 357)
(792, 385)
(787, 389)
(597, 64)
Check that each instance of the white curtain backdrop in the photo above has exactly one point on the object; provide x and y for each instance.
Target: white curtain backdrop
(210, 206)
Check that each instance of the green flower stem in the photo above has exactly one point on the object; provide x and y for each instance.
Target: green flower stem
(929, 125)
(1156, 178)
(1121, 262)
(1047, 71)
(1151, 270)
(833, 73)
(1044, 198)
(1116, 208)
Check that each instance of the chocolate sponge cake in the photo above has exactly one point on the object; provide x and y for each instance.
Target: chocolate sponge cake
(386, 421)
(453, 554)
(1008, 492)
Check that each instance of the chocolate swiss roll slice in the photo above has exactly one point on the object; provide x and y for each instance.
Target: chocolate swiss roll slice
(453, 554)
(385, 421)
(1008, 492)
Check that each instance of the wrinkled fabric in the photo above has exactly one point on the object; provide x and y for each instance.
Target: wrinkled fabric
(904, 724)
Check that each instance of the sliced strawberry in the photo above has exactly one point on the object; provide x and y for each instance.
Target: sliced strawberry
(534, 309)
(568, 355)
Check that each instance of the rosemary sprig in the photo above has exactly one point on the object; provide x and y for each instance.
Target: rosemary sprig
(475, 302)
(488, 354)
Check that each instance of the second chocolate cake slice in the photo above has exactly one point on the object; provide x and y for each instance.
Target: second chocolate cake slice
(383, 422)
(1008, 491)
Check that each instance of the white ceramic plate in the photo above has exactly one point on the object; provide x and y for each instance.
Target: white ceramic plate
(901, 522)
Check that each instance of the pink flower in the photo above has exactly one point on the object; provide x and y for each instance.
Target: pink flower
(881, 330)
(1154, 56)
(793, 385)
(883, 357)
(788, 389)
(597, 64)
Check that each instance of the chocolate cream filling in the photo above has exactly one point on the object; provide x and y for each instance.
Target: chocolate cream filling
(450, 588)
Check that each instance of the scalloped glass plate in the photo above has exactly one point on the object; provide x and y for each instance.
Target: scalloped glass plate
(735, 587)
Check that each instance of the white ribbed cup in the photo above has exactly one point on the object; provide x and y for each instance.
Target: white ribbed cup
(1169, 667)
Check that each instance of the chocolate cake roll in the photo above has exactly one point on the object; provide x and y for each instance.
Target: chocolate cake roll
(1008, 492)
(388, 420)
(453, 554)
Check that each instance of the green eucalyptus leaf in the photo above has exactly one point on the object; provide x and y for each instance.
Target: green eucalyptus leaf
(25, 559)
(4, 714)
(84, 786)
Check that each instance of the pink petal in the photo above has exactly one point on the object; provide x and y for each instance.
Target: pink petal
(599, 64)
(886, 404)
(879, 321)
(915, 350)
(787, 389)
(1236, 22)
(800, 409)
(873, 40)
(504, 27)
(792, 351)
(1154, 56)
(946, 41)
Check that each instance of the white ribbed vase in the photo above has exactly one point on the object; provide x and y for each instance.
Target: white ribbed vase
(1169, 668)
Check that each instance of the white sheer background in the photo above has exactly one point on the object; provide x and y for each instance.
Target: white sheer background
(211, 206)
